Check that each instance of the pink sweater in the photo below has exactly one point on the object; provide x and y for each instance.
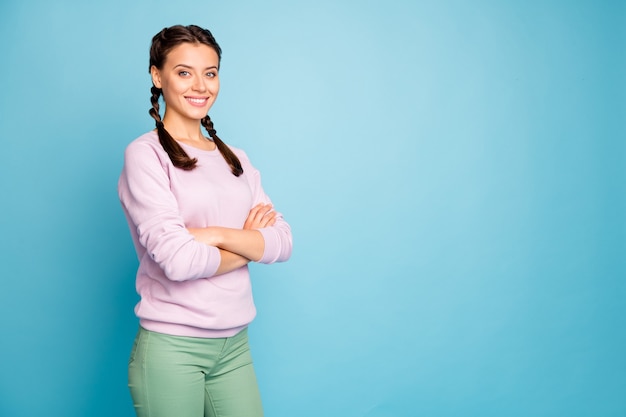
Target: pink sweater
(179, 291)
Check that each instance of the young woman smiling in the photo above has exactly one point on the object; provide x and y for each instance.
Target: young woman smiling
(198, 215)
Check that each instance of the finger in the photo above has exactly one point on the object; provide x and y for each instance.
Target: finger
(270, 222)
(264, 219)
(254, 210)
(269, 219)
(256, 215)
(262, 211)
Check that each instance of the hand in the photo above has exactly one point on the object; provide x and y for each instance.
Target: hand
(261, 215)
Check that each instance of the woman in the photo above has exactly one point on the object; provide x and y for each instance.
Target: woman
(197, 215)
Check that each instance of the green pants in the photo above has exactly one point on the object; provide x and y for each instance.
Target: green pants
(174, 376)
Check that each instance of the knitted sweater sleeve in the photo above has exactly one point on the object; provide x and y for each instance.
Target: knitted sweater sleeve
(278, 239)
(152, 210)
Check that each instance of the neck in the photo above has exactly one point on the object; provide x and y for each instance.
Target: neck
(186, 130)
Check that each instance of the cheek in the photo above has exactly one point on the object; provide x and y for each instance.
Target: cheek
(170, 90)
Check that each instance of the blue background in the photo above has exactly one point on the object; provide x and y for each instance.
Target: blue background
(454, 173)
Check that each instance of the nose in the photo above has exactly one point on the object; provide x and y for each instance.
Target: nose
(198, 84)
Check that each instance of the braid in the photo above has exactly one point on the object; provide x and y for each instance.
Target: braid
(227, 153)
(154, 99)
(177, 154)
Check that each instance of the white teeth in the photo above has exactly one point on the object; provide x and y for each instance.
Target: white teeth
(197, 100)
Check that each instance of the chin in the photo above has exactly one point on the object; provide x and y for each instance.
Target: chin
(198, 115)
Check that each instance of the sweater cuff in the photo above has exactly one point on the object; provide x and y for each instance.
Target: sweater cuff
(272, 246)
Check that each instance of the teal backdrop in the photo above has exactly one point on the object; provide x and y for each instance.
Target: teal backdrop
(454, 173)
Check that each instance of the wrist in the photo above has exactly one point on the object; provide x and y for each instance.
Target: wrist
(218, 234)
(213, 236)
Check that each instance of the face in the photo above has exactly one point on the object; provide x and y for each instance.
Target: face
(189, 80)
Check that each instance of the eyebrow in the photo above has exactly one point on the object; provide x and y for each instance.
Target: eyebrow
(190, 67)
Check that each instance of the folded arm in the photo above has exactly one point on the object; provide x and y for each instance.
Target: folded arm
(238, 246)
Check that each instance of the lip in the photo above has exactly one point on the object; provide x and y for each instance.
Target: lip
(197, 101)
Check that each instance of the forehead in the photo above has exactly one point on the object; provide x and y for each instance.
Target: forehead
(193, 55)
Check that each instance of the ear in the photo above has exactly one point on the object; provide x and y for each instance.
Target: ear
(156, 76)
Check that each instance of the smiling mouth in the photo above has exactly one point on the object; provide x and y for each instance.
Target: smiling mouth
(197, 101)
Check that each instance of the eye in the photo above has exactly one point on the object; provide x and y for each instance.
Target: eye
(184, 73)
(211, 74)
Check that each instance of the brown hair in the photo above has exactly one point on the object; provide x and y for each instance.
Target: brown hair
(162, 43)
